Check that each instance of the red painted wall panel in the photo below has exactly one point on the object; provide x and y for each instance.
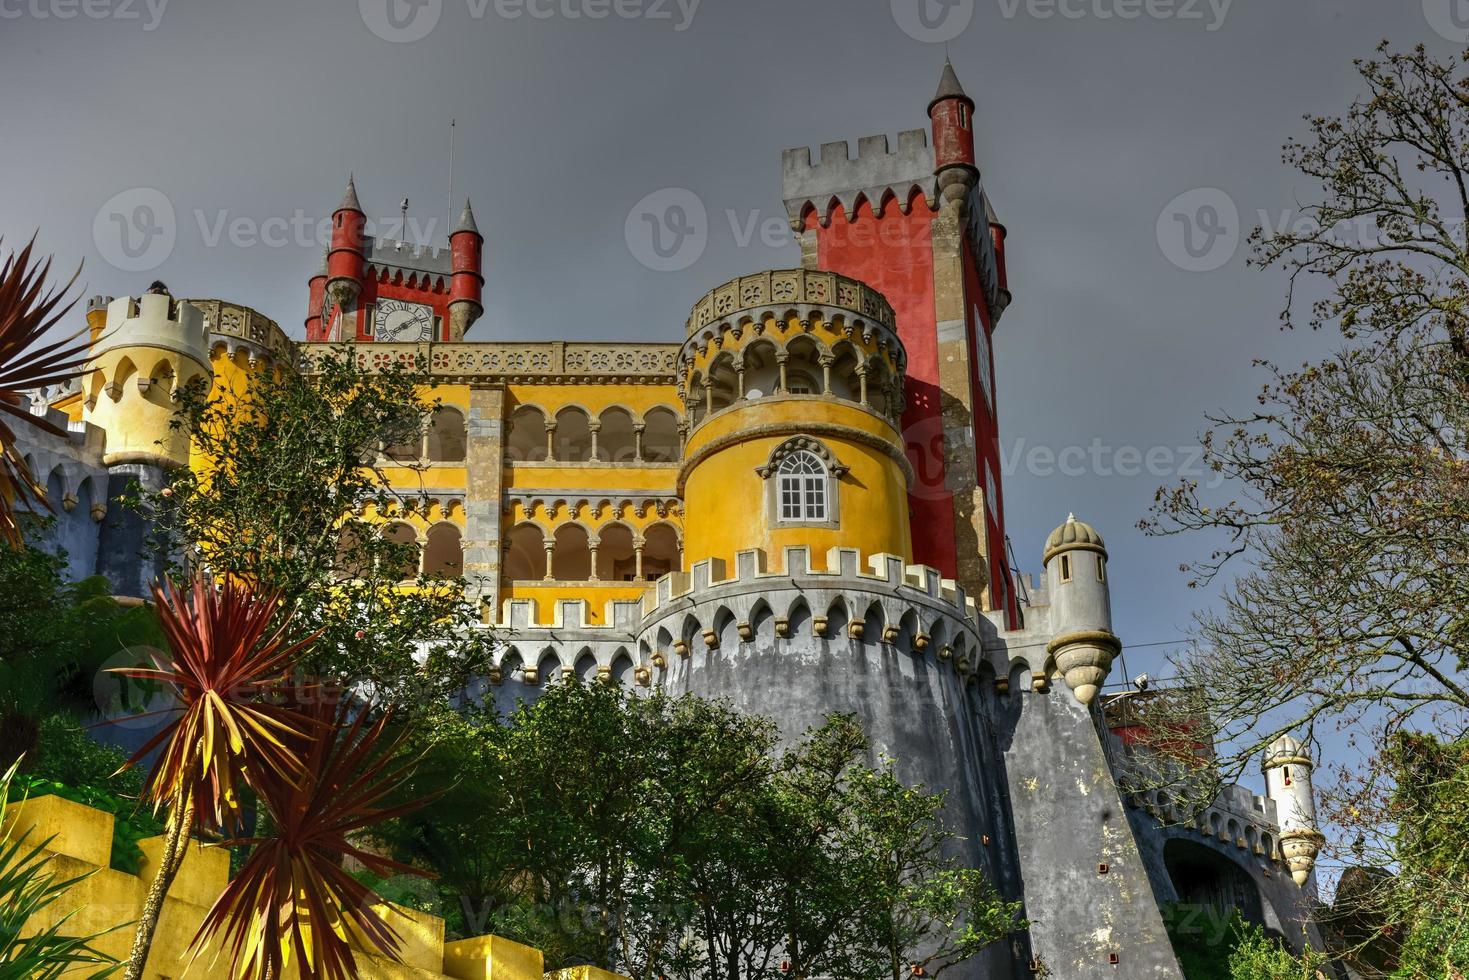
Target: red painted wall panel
(894, 254)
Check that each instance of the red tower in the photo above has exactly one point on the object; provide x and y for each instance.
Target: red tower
(373, 289)
(916, 224)
(466, 287)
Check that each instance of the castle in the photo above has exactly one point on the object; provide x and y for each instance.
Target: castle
(796, 508)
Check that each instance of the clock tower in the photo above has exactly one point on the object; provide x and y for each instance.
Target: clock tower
(370, 289)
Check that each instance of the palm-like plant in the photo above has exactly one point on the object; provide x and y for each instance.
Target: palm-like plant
(293, 898)
(28, 310)
(27, 888)
(228, 670)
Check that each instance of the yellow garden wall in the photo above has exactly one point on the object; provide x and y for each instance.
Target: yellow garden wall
(109, 899)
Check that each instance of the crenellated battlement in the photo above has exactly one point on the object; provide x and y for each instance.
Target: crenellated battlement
(385, 253)
(841, 563)
(877, 173)
(154, 320)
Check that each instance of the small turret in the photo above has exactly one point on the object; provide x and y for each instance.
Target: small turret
(1081, 607)
(315, 328)
(97, 316)
(467, 283)
(346, 262)
(952, 115)
(1288, 782)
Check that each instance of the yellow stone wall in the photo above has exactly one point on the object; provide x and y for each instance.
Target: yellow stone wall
(731, 500)
(81, 841)
(707, 503)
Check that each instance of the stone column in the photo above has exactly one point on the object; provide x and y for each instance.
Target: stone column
(550, 546)
(550, 439)
(484, 458)
(594, 426)
(637, 433)
(637, 557)
(961, 461)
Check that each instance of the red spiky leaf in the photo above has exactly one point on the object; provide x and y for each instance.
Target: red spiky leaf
(292, 899)
(228, 669)
(28, 310)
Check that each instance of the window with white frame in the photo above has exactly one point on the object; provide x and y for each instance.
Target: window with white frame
(801, 488)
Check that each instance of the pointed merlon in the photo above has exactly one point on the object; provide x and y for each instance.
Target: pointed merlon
(349, 199)
(466, 220)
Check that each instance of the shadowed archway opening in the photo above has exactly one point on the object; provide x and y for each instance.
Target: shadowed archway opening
(1204, 877)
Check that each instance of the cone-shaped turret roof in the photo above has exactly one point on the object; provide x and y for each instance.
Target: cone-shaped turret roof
(466, 220)
(349, 199)
(949, 87)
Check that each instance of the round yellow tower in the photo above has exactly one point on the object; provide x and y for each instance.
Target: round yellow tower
(150, 346)
(792, 383)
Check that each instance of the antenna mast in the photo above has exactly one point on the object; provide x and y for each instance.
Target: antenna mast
(449, 228)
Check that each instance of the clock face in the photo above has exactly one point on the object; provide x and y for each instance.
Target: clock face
(400, 321)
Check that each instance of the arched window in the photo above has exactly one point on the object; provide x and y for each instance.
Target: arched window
(801, 489)
(403, 558)
(660, 440)
(525, 554)
(526, 441)
(571, 558)
(446, 436)
(660, 551)
(443, 556)
(617, 442)
(573, 439)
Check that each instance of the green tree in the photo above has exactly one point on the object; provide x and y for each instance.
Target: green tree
(1347, 494)
(54, 638)
(286, 464)
(671, 836)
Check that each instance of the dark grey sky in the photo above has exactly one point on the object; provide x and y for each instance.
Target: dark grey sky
(1090, 123)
